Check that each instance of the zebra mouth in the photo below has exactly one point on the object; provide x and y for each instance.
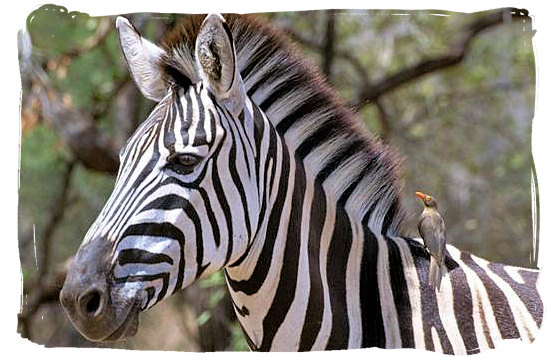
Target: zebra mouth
(128, 327)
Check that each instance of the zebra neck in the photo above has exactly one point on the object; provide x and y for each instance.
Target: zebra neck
(309, 239)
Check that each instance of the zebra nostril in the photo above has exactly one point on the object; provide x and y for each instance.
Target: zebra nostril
(91, 303)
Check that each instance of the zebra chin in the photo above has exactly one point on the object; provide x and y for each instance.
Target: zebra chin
(98, 308)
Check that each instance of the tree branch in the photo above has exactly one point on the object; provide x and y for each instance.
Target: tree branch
(77, 130)
(345, 55)
(57, 212)
(371, 92)
(47, 286)
(329, 45)
(103, 29)
(46, 290)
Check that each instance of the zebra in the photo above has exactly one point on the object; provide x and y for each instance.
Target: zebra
(251, 164)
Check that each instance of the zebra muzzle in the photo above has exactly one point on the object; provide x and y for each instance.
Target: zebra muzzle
(98, 310)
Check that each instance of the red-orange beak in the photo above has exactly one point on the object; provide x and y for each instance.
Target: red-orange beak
(420, 195)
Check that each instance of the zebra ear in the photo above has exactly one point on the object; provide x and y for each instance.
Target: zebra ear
(217, 61)
(143, 59)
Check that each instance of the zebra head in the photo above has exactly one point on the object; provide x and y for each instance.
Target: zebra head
(186, 185)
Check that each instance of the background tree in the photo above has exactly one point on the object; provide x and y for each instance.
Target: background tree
(453, 92)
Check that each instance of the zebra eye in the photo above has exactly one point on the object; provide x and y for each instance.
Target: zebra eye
(182, 163)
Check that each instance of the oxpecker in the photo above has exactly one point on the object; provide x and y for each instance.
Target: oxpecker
(432, 230)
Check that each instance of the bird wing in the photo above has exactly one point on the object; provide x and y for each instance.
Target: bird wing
(432, 230)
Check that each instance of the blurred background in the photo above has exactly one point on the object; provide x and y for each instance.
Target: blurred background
(452, 92)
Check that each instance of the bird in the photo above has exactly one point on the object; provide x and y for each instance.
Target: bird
(432, 230)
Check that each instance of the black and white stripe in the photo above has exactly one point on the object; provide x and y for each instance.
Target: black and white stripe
(301, 208)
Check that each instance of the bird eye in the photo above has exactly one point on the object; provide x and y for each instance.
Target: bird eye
(182, 163)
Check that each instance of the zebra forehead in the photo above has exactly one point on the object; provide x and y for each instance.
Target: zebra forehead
(177, 111)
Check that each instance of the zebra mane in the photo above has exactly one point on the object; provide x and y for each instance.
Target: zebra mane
(355, 167)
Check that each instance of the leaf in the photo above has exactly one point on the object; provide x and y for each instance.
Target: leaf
(203, 317)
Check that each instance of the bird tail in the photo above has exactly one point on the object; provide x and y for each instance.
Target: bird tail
(435, 273)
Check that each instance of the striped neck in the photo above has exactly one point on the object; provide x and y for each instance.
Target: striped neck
(304, 266)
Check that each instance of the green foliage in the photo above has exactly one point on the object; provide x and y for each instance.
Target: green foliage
(215, 280)
(238, 341)
(203, 317)
(41, 165)
(56, 31)
(43, 162)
